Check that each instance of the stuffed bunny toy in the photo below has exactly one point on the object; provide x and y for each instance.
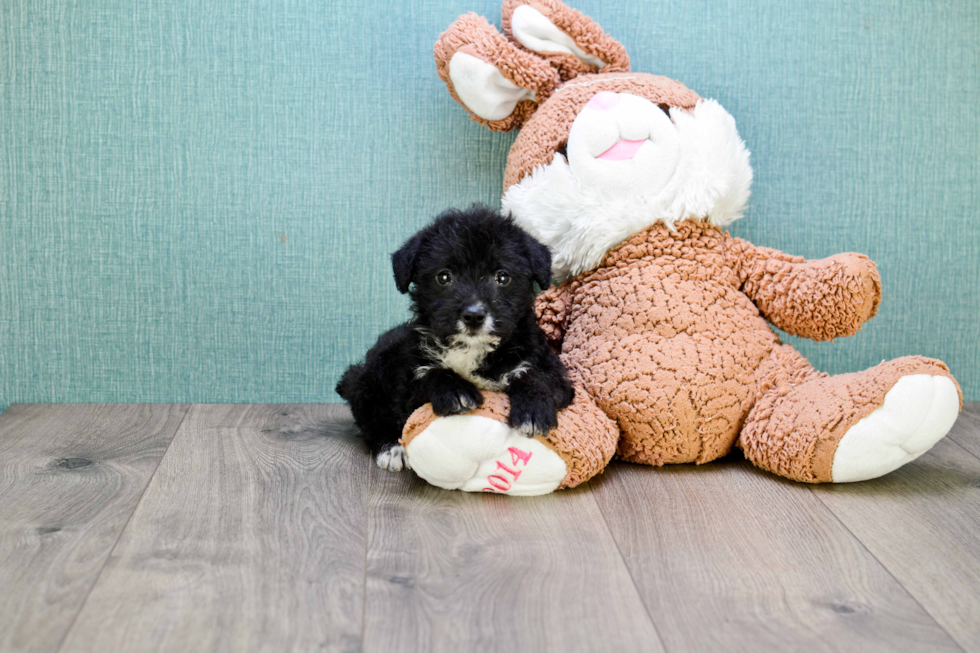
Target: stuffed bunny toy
(661, 317)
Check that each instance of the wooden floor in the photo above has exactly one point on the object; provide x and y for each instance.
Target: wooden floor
(239, 528)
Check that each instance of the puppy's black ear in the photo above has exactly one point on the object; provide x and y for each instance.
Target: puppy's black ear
(540, 258)
(404, 262)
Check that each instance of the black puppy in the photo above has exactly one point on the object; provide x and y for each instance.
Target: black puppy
(471, 275)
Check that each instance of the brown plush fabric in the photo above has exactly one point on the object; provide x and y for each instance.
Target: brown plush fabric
(583, 30)
(820, 300)
(665, 336)
(585, 437)
(548, 128)
(552, 307)
(672, 361)
(667, 340)
(494, 406)
(667, 343)
(796, 423)
(473, 35)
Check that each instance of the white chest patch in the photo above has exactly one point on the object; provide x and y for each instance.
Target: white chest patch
(464, 355)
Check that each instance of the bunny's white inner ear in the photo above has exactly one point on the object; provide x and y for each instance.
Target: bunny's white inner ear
(537, 33)
(483, 89)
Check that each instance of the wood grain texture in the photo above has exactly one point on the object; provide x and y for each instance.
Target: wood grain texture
(70, 478)
(967, 430)
(727, 557)
(449, 571)
(251, 536)
(268, 528)
(922, 522)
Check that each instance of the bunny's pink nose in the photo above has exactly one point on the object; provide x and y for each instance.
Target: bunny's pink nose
(604, 101)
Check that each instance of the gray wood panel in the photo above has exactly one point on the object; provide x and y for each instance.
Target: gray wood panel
(70, 477)
(450, 571)
(967, 430)
(251, 536)
(728, 557)
(922, 522)
(260, 522)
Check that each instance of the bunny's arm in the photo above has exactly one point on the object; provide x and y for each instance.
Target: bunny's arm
(820, 299)
(552, 308)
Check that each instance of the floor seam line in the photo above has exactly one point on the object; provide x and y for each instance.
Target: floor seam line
(629, 572)
(122, 530)
(885, 567)
(367, 547)
(952, 439)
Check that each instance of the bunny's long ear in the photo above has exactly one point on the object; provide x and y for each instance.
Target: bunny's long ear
(568, 39)
(496, 81)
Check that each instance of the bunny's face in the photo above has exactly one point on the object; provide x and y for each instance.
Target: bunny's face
(602, 118)
(600, 155)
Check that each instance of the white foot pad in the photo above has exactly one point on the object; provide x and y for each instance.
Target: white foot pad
(479, 454)
(393, 459)
(918, 411)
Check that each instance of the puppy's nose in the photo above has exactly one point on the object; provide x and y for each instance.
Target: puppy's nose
(474, 315)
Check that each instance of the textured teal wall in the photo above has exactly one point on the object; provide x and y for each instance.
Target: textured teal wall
(197, 200)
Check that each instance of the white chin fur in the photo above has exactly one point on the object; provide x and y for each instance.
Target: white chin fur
(581, 222)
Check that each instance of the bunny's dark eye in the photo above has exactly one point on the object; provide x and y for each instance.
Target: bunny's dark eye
(444, 278)
(502, 278)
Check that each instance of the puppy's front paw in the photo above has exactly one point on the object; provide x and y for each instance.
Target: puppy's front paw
(455, 400)
(532, 416)
(393, 459)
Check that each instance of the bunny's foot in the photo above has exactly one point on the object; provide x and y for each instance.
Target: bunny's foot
(851, 427)
(478, 452)
(916, 413)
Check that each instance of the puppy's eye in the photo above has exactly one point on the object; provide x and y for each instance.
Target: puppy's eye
(502, 278)
(444, 278)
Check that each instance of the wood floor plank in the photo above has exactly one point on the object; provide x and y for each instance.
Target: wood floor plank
(451, 571)
(251, 536)
(71, 475)
(727, 557)
(922, 522)
(967, 431)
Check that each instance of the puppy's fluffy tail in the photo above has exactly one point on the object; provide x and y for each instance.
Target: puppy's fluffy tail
(349, 381)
